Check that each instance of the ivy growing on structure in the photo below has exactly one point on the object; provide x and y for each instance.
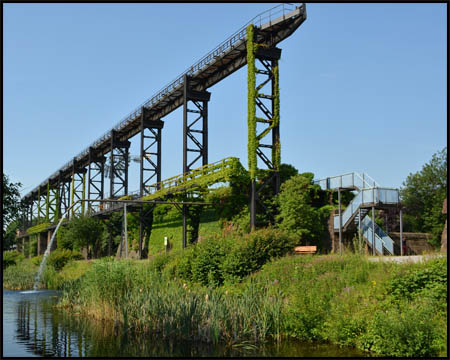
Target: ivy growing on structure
(36, 229)
(47, 203)
(276, 151)
(251, 117)
(39, 203)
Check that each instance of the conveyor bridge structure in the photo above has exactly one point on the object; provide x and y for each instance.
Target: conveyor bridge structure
(107, 158)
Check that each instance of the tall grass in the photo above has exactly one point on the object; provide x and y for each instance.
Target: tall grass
(20, 276)
(142, 299)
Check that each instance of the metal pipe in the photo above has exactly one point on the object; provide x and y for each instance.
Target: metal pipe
(125, 229)
(340, 220)
(373, 231)
(359, 227)
(401, 233)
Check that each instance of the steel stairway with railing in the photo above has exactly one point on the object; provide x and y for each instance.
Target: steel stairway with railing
(369, 195)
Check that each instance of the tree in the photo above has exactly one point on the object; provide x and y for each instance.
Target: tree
(84, 232)
(302, 208)
(11, 208)
(422, 196)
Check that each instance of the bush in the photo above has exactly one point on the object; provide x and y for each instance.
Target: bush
(61, 257)
(209, 255)
(11, 258)
(36, 260)
(252, 251)
(303, 209)
(430, 280)
(411, 332)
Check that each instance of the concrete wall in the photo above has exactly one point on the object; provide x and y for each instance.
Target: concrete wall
(416, 243)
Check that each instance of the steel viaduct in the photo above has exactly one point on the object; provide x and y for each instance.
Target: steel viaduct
(83, 177)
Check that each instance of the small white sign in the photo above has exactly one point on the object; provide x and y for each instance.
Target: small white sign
(165, 240)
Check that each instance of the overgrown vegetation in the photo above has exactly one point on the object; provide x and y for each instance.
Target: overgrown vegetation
(423, 195)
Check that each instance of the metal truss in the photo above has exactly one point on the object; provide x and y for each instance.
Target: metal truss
(266, 98)
(52, 211)
(96, 178)
(150, 169)
(150, 154)
(119, 166)
(64, 194)
(195, 128)
(195, 135)
(78, 188)
(41, 212)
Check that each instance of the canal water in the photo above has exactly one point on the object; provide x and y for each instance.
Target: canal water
(32, 326)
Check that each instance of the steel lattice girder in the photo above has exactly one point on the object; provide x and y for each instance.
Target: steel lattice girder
(195, 131)
(119, 166)
(264, 113)
(195, 134)
(96, 177)
(64, 194)
(78, 188)
(52, 211)
(150, 153)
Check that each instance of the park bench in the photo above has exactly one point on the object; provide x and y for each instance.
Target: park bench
(305, 249)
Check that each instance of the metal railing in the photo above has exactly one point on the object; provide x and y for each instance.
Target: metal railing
(382, 240)
(180, 182)
(227, 45)
(367, 197)
(349, 180)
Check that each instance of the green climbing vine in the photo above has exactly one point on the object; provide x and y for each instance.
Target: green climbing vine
(251, 117)
(47, 203)
(276, 152)
(36, 229)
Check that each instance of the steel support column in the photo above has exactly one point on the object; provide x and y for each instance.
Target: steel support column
(263, 119)
(119, 166)
(150, 153)
(64, 194)
(41, 205)
(52, 201)
(78, 187)
(195, 134)
(96, 178)
(150, 166)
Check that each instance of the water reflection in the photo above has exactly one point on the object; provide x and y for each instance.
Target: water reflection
(32, 326)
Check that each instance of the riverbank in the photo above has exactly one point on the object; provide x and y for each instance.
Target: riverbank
(387, 308)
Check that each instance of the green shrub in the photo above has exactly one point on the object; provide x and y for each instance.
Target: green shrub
(61, 257)
(11, 257)
(36, 260)
(430, 279)
(408, 331)
(206, 266)
(252, 251)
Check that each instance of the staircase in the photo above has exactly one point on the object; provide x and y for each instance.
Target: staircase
(369, 195)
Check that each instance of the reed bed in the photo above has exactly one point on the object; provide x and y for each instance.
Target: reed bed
(142, 299)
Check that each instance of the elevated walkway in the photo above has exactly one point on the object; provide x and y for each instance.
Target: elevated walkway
(369, 195)
(198, 179)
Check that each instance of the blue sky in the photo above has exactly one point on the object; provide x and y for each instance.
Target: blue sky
(363, 86)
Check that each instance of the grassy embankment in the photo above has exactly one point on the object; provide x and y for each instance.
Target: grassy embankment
(237, 290)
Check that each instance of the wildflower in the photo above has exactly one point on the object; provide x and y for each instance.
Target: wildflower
(226, 292)
(206, 297)
(184, 286)
(374, 282)
(140, 290)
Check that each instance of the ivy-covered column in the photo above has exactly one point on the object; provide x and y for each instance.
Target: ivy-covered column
(263, 109)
